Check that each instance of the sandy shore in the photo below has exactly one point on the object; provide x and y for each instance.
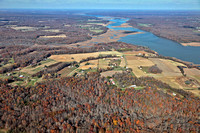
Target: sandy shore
(191, 44)
(124, 25)
(110, 36)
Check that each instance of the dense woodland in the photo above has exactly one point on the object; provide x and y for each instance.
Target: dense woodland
(46, 23)
(89, 104)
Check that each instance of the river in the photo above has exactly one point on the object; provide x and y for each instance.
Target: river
(163, 46)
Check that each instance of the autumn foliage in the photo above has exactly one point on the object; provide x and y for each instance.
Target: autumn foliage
(89, 104)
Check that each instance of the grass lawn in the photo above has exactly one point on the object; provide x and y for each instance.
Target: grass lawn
(33, 81)
(145, 69)
(136, 88)
(139, 88)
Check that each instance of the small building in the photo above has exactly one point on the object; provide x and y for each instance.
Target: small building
(9, 74)
(132, 86)
(112, 81)
(21, 76)
(18, 69)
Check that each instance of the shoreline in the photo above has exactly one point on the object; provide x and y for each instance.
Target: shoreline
(114, 35)
(110, 36)
(195, 44)
(124, 25)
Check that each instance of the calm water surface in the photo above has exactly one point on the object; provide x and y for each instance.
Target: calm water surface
(162, 46)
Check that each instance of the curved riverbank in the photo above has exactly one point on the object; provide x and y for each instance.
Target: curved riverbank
(163, 46)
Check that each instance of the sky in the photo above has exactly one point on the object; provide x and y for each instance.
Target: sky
(102, 4)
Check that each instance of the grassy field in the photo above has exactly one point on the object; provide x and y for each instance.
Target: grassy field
(33, 81)
(145, 69)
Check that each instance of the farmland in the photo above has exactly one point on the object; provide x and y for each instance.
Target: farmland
(91, 65)
(70, 74)
(170, 72)
(96, 62)
(79, 57)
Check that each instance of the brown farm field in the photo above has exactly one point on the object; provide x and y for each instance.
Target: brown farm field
(92, 64)
(134, 62)
(135, 52)
(109, 73)
(168, 67)
(193, 72)
(79, 57)
(170, 72)
(103, 63)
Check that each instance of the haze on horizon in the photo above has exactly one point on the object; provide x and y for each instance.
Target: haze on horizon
(102, 4)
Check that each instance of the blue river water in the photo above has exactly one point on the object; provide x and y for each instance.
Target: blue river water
(161, 45)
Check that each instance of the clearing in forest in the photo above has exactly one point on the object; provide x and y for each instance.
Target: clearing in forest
(79, 57)
(55, 36)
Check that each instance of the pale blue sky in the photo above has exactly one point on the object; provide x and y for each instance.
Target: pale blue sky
(102, 4)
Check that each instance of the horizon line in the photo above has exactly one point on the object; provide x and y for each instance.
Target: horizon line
(95, 9)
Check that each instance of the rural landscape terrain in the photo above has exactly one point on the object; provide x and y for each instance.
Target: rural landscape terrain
(179, 26)
(66, 71)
